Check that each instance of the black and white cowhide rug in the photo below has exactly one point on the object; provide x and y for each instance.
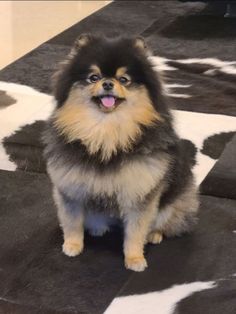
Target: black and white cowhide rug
(22, 107)
(194, 50)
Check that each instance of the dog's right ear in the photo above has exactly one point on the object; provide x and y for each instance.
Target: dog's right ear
(60, 80)
(82, 41)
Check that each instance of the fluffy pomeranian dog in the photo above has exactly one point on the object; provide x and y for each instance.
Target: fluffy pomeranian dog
(112, 153)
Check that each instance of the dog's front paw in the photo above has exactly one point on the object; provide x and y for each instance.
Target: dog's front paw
(72, 248)
(136, 263)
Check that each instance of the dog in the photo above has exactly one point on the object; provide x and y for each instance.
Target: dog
(112, 152)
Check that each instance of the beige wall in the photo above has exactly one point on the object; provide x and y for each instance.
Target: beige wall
(26, 24)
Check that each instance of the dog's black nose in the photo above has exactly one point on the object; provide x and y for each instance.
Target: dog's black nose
(108, 85)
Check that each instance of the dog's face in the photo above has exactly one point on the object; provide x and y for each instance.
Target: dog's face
(106, 86)
(108, 92)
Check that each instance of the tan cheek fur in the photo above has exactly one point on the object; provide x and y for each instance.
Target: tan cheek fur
(79, 118)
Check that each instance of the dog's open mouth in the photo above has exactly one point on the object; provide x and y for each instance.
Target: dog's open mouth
(107, 103)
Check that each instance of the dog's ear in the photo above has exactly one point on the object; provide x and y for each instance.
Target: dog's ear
(139, 43)
(82, 40)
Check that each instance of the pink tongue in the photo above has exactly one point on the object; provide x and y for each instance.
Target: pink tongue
(108, 101)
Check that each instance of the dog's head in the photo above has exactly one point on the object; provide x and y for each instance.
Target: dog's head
(105, 91)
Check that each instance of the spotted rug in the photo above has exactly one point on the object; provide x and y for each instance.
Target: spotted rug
(194, 50)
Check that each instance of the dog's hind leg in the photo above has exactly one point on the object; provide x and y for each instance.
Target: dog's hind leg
(179, 216)
(155, 237)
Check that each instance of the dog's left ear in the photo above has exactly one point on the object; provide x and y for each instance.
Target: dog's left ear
(139, 42)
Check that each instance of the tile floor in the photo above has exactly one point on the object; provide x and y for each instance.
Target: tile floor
(26, 24)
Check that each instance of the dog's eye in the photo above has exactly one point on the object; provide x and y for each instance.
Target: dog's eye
(93, 78)
(123, 80)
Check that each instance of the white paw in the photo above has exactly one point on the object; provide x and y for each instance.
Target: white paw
(136, 263)
(72, 248)
(155, 237)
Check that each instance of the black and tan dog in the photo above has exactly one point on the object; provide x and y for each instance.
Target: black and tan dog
(111, 150)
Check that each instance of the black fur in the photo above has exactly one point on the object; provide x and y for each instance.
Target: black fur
(106, 54)
(156, 139)
(153, 140)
